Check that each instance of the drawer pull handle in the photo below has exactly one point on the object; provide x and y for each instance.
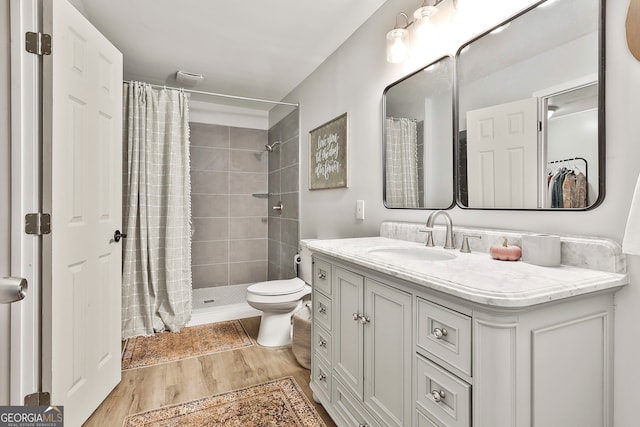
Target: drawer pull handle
(437, 395)
(322, 308)
(322, 275)
(356, 316)
(323, 343)
(363, 425)
(322, 377)
(439, 333)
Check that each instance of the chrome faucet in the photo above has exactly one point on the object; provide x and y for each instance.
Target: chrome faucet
(448, 239)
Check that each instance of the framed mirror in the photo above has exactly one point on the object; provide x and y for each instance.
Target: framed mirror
(417, 142)
(530, 110)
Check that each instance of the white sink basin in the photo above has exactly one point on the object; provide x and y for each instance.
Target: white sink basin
(412, 254)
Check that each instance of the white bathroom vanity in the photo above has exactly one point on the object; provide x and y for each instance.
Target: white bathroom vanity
(456, 339)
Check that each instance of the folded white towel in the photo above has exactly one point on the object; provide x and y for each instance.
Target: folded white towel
(631, 240)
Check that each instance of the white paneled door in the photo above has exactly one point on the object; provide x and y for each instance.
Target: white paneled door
(502, 155)
(82, 164)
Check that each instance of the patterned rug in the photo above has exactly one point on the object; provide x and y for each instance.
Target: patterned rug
(275, 403)
(193, 341)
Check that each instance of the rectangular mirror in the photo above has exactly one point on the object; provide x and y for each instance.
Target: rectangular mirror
(530, 110)
(417, 131)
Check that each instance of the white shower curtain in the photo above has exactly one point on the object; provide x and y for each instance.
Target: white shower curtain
(401, 163)
(156, 277)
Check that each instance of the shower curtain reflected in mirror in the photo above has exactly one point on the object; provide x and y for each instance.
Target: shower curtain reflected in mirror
(156, 278)
(401, 181)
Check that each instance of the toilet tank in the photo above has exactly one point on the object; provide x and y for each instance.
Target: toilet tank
(305, 268)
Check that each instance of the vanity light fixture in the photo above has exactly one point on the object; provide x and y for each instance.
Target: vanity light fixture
(422, 21)
(398, 39)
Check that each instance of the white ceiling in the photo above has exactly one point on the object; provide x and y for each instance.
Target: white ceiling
(260, 49)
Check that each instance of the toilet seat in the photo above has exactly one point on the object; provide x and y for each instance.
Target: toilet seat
(277, 287)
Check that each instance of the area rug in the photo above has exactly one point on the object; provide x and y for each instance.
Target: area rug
(190, 342)
(275, 403)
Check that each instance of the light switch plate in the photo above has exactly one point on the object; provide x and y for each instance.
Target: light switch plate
(360, 209)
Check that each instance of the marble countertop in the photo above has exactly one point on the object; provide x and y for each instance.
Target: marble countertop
(476, 276)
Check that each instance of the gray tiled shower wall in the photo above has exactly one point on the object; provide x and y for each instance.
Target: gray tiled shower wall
(229, 244)
(284, 186)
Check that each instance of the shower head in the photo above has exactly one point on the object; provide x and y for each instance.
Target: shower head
(270, 147)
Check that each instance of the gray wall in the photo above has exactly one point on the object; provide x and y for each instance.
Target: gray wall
(352, 79)
(228, 164)
(5, 193)
(284, 186)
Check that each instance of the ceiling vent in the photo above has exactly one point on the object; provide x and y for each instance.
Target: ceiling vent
(188, 79)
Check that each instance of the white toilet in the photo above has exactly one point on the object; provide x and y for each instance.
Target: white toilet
(277, 299)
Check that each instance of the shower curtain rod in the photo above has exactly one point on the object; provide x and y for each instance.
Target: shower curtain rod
(222, 95)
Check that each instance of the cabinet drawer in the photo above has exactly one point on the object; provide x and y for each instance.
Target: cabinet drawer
(322, 276)
(322, 310)
(446, 334)
(351, 409)
(322, 344)
(443, 396)
(424, 421)
(321, 378)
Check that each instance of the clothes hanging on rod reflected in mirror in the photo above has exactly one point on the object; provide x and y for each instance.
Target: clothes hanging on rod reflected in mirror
(567, 183)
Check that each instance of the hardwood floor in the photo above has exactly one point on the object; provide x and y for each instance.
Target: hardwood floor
(149, 388)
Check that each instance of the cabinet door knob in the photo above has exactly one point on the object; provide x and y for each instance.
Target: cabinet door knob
(439, 333)
(364, 320)
(322, 309)
(322, 274)
(322, 377)
(322, 343)
(437, 395)
(356, 316)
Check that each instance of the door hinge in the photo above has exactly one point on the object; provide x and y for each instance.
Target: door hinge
(37, 223)
(37, 399)
(38, 43)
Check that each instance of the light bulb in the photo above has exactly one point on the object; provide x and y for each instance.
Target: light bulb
(397, 49)
(422, 24)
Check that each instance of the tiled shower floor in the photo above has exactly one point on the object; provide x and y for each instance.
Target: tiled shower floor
(223, 303)
(222, 295)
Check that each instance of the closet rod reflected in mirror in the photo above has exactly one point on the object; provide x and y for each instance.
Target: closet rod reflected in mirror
(529, 94)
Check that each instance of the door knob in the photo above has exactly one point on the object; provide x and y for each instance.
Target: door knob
(12, 289)
(118, 235)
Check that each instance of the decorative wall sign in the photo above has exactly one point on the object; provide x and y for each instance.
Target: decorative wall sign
(328, 155)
